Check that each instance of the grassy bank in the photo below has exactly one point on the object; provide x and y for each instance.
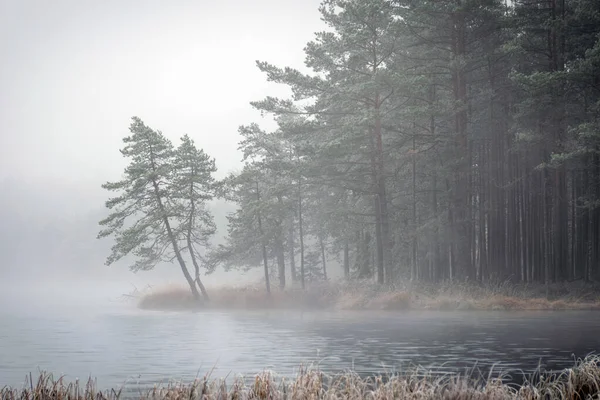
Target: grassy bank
(580, 382)
(368, 296)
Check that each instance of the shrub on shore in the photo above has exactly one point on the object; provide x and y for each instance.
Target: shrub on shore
(580, 382)
(369, 296)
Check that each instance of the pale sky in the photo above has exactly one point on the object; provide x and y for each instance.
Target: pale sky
(74, 72)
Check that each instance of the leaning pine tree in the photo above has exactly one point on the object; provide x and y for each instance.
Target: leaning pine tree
(143, 211)
(192, 185)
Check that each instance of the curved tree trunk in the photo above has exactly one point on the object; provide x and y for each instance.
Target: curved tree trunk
(176, 249)
(171, 236)
(191, 248)
(197, 270)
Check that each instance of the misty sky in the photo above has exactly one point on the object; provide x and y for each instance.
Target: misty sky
(72, 75)
(74, 72)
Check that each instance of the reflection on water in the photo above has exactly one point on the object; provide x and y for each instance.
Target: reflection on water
(118, 343)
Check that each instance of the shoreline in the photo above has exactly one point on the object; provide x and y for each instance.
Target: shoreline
(580, 381)
(369, 297)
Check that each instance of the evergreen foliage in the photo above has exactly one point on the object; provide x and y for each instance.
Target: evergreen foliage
(439, 140)
(159, 212)
(431, 141)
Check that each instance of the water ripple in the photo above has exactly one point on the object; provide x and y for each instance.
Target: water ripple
(143, 348)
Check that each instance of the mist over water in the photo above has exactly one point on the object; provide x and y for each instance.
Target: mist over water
(430, 146)
(91, 332)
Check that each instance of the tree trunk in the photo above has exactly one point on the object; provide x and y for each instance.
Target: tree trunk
(292, 249)
(545, 233)
(461, 189)
(381, 198)
(280, 249)
(438, 270)
(301, 233)
(190, 246)
(482, 253)
(184, 269)
(379, 241)
(377, 209)
(346, 260)
(264, 246)
(197, 270)
(323, 258)
(413, 271)
(364, 262)
(281, 265)
(171, 236)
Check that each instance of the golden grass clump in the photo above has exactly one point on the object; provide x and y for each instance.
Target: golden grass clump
(369, 296)
(352, 301)
(167, 297)
(396, 300)
(580, 382)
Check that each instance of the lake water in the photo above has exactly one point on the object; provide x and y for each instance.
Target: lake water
(116, 343)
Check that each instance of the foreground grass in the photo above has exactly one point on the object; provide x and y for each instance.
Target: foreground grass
(580, 382)
(368, 296)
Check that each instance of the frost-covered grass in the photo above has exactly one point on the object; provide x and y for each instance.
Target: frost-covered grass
(369, 296)
(580, 382)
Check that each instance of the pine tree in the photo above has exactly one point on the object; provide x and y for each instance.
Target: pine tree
(267, 152)
(436, 141)
(248, 234)
(350, 96)
(143, 211)
(192, 186)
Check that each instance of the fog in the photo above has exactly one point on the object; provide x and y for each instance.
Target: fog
(72, 75)
(397, 182)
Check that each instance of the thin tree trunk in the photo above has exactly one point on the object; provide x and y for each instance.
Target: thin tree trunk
(413, 271)
(386, 245)
(545, 234)
(377, 208)
(264, 246)
(379, 241)
(197, 270)
(382, 234)
(170, 234)
(461, 189)
(346, 260)
(280, 249)
(521, 242)
(190, 246)
(301, 233)
(573, 249)
(281, 264)
(364, 256)
(437, 267)
(323, 258)
(482, 216)
(292, 246)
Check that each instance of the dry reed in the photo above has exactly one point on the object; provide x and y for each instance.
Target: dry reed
(367, 296)
(580, 382)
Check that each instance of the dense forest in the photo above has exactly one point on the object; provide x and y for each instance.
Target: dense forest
(431, 141)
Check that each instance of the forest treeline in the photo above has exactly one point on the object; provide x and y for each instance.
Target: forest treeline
(432, 140)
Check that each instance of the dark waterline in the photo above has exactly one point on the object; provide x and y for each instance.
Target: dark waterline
(117, 343)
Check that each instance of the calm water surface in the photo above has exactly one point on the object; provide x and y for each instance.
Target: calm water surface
(118, 344)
